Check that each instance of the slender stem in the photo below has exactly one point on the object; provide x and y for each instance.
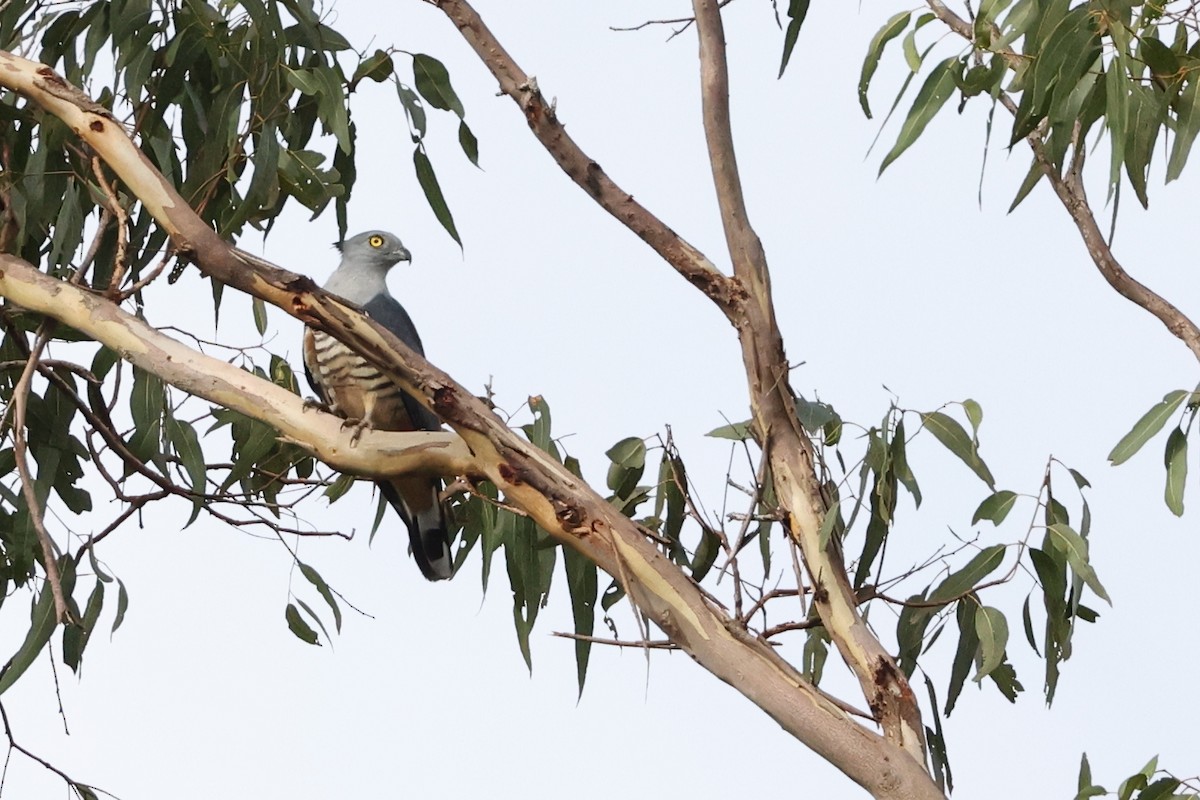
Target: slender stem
(20, 400)
(543, 120)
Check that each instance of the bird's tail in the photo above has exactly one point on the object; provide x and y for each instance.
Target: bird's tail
(417, 501)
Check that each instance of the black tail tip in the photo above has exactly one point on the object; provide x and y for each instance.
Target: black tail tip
(433, 556)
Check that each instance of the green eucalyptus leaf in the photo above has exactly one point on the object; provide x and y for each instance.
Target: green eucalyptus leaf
(583, 587)
(995, 507)
(890, 30)
(468, 143)
(433, 82)
(797, 11)
(992, 628)
(299, 627)
(952, 435)
(738, 431)
(959, 583)
(934, 93)
(41, 626)
(1145, 428)
(1076, 549)
(1175, 459)
(1187, 125)
(314, 577)
(378, 67)
(433, 193)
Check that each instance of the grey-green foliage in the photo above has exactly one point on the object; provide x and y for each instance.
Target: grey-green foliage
(244, 106)
(1129, 71)
(223, 98)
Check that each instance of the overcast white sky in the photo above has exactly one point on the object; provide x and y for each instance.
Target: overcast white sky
(902, 282)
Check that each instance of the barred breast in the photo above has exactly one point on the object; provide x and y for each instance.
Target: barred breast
(353, 386)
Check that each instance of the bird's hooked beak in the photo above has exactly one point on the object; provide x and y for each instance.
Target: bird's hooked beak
(401, 254)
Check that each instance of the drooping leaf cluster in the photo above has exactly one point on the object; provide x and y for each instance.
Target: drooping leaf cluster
(1149, 783)
(531, 554)
(223, 98)
(1127, 71)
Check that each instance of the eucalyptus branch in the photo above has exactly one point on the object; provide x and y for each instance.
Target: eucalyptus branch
(773, 405)
(543, 121)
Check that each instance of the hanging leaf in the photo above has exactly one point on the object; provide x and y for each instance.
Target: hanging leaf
(1175, 459)
(828, 523)
(992, 629)
(314, 577)
(995, 507)
(932, 96)
(41, 626)
(433, 193)
(298, 626)
(797, 11)
(186, 443)
(964, 656)
(1076, 549)
(1145, 428)
(433, 82)
(947, 431)
(1187, 125)
(890, 30)
(583, 587)
(468, 143)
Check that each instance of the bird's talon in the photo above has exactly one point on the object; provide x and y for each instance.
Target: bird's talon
(359, 425)
(312, 404)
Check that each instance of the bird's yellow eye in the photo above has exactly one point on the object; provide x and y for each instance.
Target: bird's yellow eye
(375, 241)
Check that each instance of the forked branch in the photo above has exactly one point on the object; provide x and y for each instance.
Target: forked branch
(773, 406)
(543, 121)
(752, 314)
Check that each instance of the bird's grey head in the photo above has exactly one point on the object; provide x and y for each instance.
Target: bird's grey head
(366, 259)
(376, 248)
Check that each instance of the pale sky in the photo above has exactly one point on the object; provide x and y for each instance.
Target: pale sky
(898, 285)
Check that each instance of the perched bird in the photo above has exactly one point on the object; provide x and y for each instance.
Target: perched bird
(354, 388)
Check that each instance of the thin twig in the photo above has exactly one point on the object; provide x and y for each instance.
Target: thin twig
(142, 283)
(20, 398)
(802, 625)
(655, 644)
(767, 597)
(12, 744)
(686, 22)
(543, 120)
(114, 205)
(81, 272)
